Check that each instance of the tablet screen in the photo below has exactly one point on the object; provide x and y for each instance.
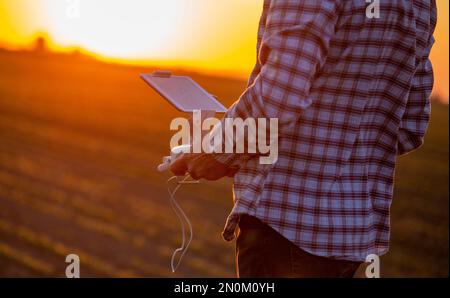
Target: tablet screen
(184, 93)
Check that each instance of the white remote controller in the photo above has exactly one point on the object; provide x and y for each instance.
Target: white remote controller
(173, 155)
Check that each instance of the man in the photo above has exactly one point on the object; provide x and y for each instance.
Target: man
(351, 92)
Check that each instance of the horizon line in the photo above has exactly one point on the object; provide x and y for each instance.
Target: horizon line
(174, 64)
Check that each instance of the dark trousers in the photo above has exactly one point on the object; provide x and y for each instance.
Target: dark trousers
(263, 252)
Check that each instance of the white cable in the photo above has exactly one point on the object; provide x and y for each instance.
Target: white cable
(184, 220)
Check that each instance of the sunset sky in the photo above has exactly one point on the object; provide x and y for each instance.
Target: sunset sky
(213, 36)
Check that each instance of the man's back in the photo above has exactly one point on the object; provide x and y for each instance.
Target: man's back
(351, 93)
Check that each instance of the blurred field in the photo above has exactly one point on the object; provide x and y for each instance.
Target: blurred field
(79, 142)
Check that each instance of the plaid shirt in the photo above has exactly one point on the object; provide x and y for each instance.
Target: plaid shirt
(351, 93)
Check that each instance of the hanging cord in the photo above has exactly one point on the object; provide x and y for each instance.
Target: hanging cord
(184, 220)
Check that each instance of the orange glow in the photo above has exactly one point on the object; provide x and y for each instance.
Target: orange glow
(440, 52)
(215, 36)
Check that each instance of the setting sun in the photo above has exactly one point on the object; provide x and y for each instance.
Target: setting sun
(113, 29)
(213, 36)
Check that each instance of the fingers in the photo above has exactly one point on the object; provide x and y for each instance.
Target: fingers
(179, 166)
(196, 167)
(206, 167)
(200, 166)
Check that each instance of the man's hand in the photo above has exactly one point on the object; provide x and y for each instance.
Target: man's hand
(200, 166)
